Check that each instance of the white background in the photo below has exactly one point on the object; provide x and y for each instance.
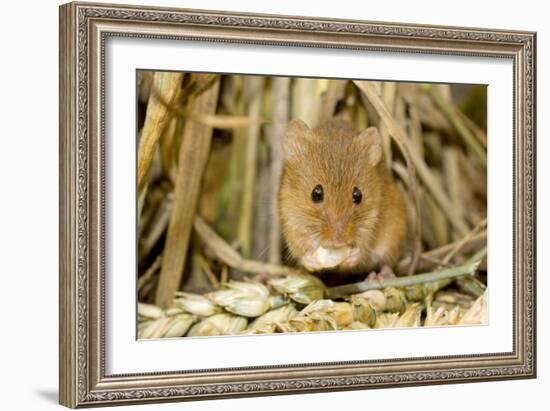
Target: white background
(28, 211)
(125, 355)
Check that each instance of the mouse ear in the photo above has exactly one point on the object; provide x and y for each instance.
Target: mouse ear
(297, 132)
(373, 142)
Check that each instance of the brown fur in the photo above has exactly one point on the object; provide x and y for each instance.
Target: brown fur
(339, 158)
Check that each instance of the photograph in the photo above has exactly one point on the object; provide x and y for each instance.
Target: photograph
(260, 203)
(272, 204)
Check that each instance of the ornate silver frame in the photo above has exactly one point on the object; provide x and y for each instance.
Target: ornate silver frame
(83, 30)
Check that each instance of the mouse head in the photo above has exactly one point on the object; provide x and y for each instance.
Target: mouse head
(330, 193)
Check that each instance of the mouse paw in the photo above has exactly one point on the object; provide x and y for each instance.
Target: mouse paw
(385, 273)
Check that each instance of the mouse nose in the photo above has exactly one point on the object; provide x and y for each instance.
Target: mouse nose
(337, 234)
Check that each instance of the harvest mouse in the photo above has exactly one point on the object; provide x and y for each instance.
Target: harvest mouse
(340, 207)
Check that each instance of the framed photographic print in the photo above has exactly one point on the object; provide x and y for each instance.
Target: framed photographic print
(260, 204)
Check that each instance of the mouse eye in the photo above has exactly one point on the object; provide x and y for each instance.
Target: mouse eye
(357, 195)
(317, 194)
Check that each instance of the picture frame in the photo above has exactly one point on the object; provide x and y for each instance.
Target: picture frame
(84, 30)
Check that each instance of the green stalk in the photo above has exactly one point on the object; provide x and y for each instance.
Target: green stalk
(343, 290)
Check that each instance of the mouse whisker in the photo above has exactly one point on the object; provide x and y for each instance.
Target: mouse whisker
(263, 252)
